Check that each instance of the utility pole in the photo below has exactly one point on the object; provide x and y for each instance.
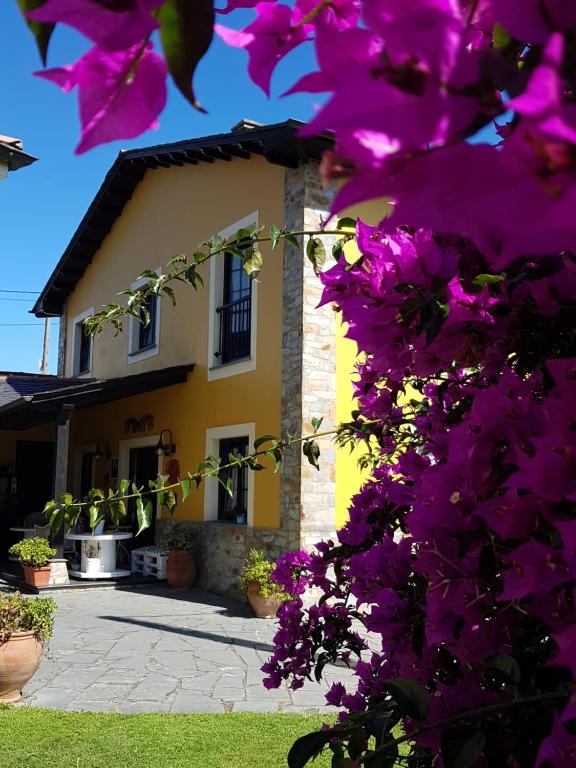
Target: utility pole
(45, 347)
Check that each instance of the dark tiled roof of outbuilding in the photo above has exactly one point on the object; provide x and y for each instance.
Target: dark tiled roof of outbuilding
(16, 385)
(278, 143)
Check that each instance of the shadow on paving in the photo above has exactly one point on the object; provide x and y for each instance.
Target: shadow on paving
(192, 633)
(230, 606)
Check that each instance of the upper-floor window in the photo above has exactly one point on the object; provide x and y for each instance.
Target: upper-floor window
(147, 327)
(82, 346)
(144, 334)
(233, 311)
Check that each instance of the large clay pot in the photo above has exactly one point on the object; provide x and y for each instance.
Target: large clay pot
(19, 659)
(37, 577)
(264, 607)
(180, 568)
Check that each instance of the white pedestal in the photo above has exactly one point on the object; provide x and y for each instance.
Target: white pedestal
(98, 555)
(58, 572)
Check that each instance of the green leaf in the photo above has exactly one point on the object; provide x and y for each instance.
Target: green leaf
(186, 31)
(462, 749)
(500, 37)
(124, 485)
(338, 250)
(316, 253)
(346, 223)
(42, 32)
(276, 455)
(410, 696)
(167, 291)
(263, 439)
(311, 450)
(167, 499)
(186, 487)
(507, 666)
(307, 747)
(486, 279)
(56, 519)
(292, 239)
(96, 515)
(227, 482)
(144, 513)
(275, 235)
(317, 422)
(252, 262)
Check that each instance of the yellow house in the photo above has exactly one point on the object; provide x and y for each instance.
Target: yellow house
(233, 361)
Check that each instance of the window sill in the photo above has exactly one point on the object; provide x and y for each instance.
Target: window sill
(143, 354)
(231, 363)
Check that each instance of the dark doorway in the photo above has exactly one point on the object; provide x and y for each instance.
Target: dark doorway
(143, 467)
(34, 478)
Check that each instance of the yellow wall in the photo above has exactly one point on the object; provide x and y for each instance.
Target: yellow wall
(187, 410)
(170, 212)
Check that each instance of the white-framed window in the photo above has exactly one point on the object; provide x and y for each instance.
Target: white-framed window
(220, 506)
(144, 338)
(82, 345)
(232, 310)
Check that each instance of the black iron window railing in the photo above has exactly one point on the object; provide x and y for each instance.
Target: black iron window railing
(235, 329)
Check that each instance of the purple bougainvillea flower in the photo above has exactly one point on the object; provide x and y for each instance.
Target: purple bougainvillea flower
(428, 31)
(541, 100)
(536, 568)
(269, 38)
(559, 749)
(109, 29)
(121, 94)
(533, 20)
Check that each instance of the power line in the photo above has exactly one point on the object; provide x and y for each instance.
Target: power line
(8, 298)
(33, 293)
(13, 325)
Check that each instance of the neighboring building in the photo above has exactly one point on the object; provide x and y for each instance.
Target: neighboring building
(12, 155)
(233, 361)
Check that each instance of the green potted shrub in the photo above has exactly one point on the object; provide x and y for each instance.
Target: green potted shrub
(25, 624)
(179, 541)
(264, 595)
(34, 555)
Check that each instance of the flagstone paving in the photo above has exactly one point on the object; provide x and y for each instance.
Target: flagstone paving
(161, 650)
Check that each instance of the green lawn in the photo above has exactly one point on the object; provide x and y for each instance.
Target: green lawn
(37, 738)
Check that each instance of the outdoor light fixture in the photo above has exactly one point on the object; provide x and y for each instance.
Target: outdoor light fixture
(165, 449)
(102, 450)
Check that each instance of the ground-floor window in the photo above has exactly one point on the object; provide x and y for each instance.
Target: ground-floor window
(233, 504)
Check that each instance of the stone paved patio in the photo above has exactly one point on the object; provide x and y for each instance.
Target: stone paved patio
(162, 651)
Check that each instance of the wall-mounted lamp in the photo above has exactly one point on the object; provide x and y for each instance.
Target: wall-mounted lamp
(102, 450)
(163, 448)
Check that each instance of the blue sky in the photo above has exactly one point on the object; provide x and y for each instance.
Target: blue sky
(40, 206)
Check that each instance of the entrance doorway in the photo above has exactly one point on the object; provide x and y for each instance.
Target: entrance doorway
(143, 467)
(139, 463)
(34, 478)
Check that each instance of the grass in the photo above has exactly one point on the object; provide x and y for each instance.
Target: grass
(37, 738)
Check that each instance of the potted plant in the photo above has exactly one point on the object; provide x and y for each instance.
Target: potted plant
(179, 541)
(34, 555)
(25, 623)
(264, 595)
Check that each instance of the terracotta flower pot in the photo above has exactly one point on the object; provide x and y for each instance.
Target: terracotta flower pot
(264, 607)
(20, 657)
(180, 568)
(37, 577)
